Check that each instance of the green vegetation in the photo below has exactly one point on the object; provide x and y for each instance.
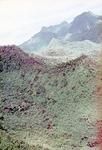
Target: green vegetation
(52, 102)
(47, 110)
(7, 142)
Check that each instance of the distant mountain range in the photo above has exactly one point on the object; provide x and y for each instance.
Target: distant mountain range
(85, 26)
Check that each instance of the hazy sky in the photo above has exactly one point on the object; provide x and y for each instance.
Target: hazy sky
(20, 19)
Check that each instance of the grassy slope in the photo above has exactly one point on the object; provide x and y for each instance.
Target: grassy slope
(8, 142)
(59, 113)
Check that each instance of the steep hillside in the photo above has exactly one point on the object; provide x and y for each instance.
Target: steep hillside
(49, 108)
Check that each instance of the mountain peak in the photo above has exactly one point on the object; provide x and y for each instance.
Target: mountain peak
(87, 13)
(83, 22)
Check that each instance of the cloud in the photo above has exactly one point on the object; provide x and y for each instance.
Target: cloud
(20, 19)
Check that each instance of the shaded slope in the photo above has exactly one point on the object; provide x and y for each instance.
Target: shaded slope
(13, 58)
(94, 34)
(84, 22)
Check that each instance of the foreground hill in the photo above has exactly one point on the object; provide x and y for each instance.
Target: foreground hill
(49, 108)
(13, 58)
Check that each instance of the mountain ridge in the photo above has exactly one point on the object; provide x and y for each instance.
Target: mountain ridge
(83, 27)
